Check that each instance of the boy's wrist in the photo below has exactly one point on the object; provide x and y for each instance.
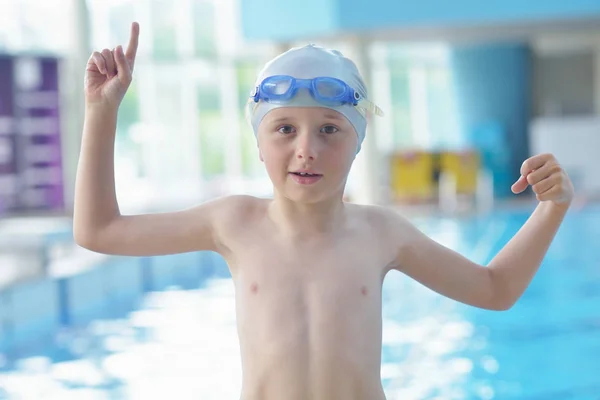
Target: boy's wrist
(100, 108)
(556, 208)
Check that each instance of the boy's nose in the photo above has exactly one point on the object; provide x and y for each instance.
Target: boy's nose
(306, 147)
(305, 155)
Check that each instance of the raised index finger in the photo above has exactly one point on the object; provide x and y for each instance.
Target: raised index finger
(133, 44)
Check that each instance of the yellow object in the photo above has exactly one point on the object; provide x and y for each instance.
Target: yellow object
(412, 175)
(463, 166)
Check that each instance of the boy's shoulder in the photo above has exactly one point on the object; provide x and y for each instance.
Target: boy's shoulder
(385, 218)
(386, 226)
(237, 207)
(388, 223)
(371, 210)
(229, 216)
(241, 200)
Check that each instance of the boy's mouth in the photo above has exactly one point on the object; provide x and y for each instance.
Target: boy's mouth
(305, 174)
(305, 177)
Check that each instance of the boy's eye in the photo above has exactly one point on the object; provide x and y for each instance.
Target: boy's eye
(329, 129)
(286, 129)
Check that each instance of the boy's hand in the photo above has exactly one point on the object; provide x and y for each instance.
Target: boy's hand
(108, 73)
(547, 179)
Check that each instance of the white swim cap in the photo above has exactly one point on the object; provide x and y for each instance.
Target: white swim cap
(309, 62)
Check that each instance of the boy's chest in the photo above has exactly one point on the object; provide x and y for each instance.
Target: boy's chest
(326, 278)
(296, 304)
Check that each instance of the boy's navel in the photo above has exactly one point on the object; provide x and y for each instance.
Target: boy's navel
(254, 287)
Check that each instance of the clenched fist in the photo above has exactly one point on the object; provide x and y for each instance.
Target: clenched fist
(547, 179)
(109, 72)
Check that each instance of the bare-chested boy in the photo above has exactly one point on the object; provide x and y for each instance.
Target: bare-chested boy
(308, 267)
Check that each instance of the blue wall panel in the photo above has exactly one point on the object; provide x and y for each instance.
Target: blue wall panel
(33, 312)
(124, 284)
(493, 92)
(284, 21)
(5, 319)
(288, 20)
(356, 14)
(180, 270)
(162, 273)
(87, 296)
(187, 270)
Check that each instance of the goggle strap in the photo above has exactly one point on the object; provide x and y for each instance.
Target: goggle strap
(249, 109)
(370, 107)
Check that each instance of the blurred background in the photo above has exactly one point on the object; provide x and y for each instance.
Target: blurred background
(470, 90)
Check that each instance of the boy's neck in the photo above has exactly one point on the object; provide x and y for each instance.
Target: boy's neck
(307, 219)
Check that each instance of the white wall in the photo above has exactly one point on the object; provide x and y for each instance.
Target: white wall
(575, 141)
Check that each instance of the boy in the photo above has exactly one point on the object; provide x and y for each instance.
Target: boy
(307, 267)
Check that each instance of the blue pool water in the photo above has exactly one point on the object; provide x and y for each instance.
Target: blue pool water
(182, 343)
(547, 347)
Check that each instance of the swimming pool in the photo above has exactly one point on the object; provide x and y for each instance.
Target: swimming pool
(180, 339)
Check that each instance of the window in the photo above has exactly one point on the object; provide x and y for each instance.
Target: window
(246, 78)
(164, 30)
(423, 108)
(204, 28)
(31, 25)
(212, 133)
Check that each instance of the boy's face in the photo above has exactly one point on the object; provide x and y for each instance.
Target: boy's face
(314, 140)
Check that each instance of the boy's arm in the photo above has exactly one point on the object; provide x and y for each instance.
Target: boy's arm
(97, 222)
(499, 285)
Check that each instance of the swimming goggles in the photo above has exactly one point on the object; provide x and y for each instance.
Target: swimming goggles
(332, 92)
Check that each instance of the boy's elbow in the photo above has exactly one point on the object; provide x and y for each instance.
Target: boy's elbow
(500, 296)
(501, 304)
(89, 239)
(502, 307)
(86, 239)
(93, 235)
